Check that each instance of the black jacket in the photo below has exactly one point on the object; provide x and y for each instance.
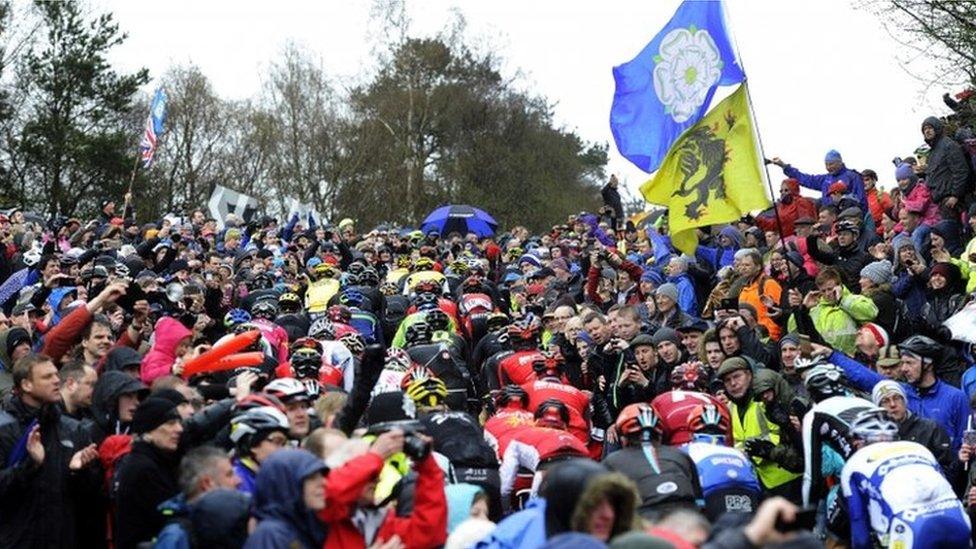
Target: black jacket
(849, 260)
(146, 477)
(947, 171)
(675, 481)
(928, 433)
(37, 503)
(105, 404)
(611, 198)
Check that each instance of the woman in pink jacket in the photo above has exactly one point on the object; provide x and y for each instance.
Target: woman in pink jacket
(172, 341)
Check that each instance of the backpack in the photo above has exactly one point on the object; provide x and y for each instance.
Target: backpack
(111, 453)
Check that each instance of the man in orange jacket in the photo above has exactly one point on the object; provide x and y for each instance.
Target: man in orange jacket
(349, 501)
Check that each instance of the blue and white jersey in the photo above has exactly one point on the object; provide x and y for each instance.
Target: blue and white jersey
(896, 494)
(721, 467)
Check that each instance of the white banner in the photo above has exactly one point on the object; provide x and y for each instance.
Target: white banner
(224, 202)
(963, 324)
(303, 211)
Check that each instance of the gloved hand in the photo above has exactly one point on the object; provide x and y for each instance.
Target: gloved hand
(759, 448)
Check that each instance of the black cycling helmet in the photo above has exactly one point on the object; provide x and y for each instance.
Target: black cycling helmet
(825, 381)
(509, 393)
(306, 362)
(418, 333)
(265, 308)
(437, 320)
(921, 346)
(552, 413)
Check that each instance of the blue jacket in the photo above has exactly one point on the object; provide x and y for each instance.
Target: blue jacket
(523, 530)
(969, 381)
(822, 182)
(942, 403)
(719, 256)
(283, 519)
(911, 289)
(687, 301)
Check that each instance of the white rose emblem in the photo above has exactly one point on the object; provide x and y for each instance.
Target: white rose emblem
(687, 66)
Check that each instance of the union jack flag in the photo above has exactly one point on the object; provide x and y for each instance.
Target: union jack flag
(154, 128)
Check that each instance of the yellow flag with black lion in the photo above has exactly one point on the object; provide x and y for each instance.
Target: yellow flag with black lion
(712, 173)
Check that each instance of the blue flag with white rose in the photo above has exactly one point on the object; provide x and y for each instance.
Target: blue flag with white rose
(667, 88)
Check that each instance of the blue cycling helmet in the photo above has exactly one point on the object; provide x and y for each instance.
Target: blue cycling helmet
(235, 317)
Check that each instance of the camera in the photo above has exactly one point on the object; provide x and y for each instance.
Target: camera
(414, 447)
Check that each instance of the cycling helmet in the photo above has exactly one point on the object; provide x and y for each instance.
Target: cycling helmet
(418, 333)
(921, 346)
(472, 285)
(459, 267)
(369, 277)
(397, 360)
(423, 387)
(847, 225)
(263, 281)
(356, 268)
(552, 413)
(425, 302)
(348, 280)
(437, 320)
(235, 317)
(496, 321)
(825, 381)
(389, 288)
(258, 400)
(511, 392)
(287, 390)
(403, 262)
(265, 308)
(874, 425)
(339, 313)
(550, 365)
(322, 328)
(802, 364)
(355, 342)
(306, 342)
(325, 270)
(690, 376)
(351, 297)
(710, 421)
(289, 302)
(250, 428)
(524, 334)
(423, 264)
(639, 419)
(305, 362)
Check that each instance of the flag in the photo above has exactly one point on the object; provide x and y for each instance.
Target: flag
(224, 201)
(154, 128)
(712, 174)
(667, 88)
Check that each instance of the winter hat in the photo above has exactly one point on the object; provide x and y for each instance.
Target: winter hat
(795, 257)
(879, 334)
(833, 156)
(391, 406)
(171, 395)
(530, 259)
(609, 274)
(942, 269)
(16, 336)
(666, 334)
(879, 272)
(852, 212)
(885, 388)
(650, 275)
(152, 413)
(791, 337)
(837, 187)
(904, 171)
(642, 340)
(559, 263)
(668, 290)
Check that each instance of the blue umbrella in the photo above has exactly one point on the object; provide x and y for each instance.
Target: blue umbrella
(460, 218)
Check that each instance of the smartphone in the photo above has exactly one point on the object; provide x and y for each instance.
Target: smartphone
(806, 350)
(969, 437)
(729, 304)
(806, 519)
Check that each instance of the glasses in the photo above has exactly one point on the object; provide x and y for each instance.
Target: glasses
(278, 440)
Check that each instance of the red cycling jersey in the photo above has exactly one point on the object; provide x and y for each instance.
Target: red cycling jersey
(577, 401)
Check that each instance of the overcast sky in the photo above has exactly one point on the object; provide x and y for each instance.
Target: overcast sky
(823, 75)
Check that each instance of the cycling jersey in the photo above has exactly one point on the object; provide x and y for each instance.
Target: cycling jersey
(665, 477)
(674, 407)
(504, 424)
(531, 447)
(728, 481)
(896, 495)
(577, 401)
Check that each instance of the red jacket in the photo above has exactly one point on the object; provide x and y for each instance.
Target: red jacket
(67, 333)
(425, 528)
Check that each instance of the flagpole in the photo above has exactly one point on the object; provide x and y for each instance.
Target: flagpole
(755, 130)
(135, 168)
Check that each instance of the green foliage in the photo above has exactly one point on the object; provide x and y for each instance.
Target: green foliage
(77, 137)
